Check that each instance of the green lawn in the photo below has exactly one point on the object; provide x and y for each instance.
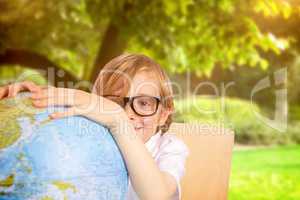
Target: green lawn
(266, 174)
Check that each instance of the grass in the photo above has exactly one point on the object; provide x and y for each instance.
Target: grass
(266, 174)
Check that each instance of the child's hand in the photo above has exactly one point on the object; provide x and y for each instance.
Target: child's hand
(90, 105)
(13, 89)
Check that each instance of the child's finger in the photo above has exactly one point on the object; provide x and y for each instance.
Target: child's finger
(39, 95)
(65, 96)
(3, 92)
(53, 101)
(55, 97)
(13, 90)
(45, 92)
(32, 87)
(41, 103)
(21, 87)
(69, 112)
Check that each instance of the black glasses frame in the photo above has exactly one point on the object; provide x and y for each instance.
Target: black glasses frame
(130, 100)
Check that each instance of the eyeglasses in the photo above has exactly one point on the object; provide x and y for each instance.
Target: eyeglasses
(142, 105)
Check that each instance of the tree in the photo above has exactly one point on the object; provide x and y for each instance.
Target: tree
(35, 61)
(197, 35)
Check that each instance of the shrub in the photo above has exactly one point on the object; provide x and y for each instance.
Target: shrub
(236, 114)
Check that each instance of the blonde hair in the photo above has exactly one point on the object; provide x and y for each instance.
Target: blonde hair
(123, 68)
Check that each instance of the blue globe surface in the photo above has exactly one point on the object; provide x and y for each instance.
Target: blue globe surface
(62, 159)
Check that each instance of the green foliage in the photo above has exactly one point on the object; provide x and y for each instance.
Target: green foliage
(197, 35)
(63, 31)
(236, 114)
(8, 74)
(185, 34)
(269, 174)
(294, 112)
(294, 81)
(272, 8)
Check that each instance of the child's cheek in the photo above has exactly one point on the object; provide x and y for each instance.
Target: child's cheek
(150, 123)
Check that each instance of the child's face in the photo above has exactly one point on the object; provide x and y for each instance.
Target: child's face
(146, 84)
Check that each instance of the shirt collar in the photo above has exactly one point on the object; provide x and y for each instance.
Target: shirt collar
(150, 144)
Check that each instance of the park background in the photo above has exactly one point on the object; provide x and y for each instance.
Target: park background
(203, 44)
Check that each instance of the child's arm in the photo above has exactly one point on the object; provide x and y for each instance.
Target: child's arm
(147, 179)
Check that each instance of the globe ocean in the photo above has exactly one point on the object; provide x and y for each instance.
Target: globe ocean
(69, 158)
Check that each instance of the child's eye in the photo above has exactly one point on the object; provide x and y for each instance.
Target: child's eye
(144, 103)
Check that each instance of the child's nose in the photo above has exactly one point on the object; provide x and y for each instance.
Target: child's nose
(130, 113)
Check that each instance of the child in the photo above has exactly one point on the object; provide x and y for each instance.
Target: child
(133, 98)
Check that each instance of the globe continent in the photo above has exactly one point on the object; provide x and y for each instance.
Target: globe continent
(69, 158)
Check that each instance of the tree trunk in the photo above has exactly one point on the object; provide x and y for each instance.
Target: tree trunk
(114, 42)
(112, 45)
(53, 73)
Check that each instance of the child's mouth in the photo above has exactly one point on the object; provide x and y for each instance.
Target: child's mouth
(138, 128)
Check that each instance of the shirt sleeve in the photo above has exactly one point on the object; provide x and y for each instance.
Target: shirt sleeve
(172, 156)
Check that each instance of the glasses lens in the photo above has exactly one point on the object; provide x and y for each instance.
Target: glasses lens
(145, 105)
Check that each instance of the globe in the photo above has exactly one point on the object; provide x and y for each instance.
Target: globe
(61, 159)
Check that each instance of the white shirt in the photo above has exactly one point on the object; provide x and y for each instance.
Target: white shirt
(169, 153)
